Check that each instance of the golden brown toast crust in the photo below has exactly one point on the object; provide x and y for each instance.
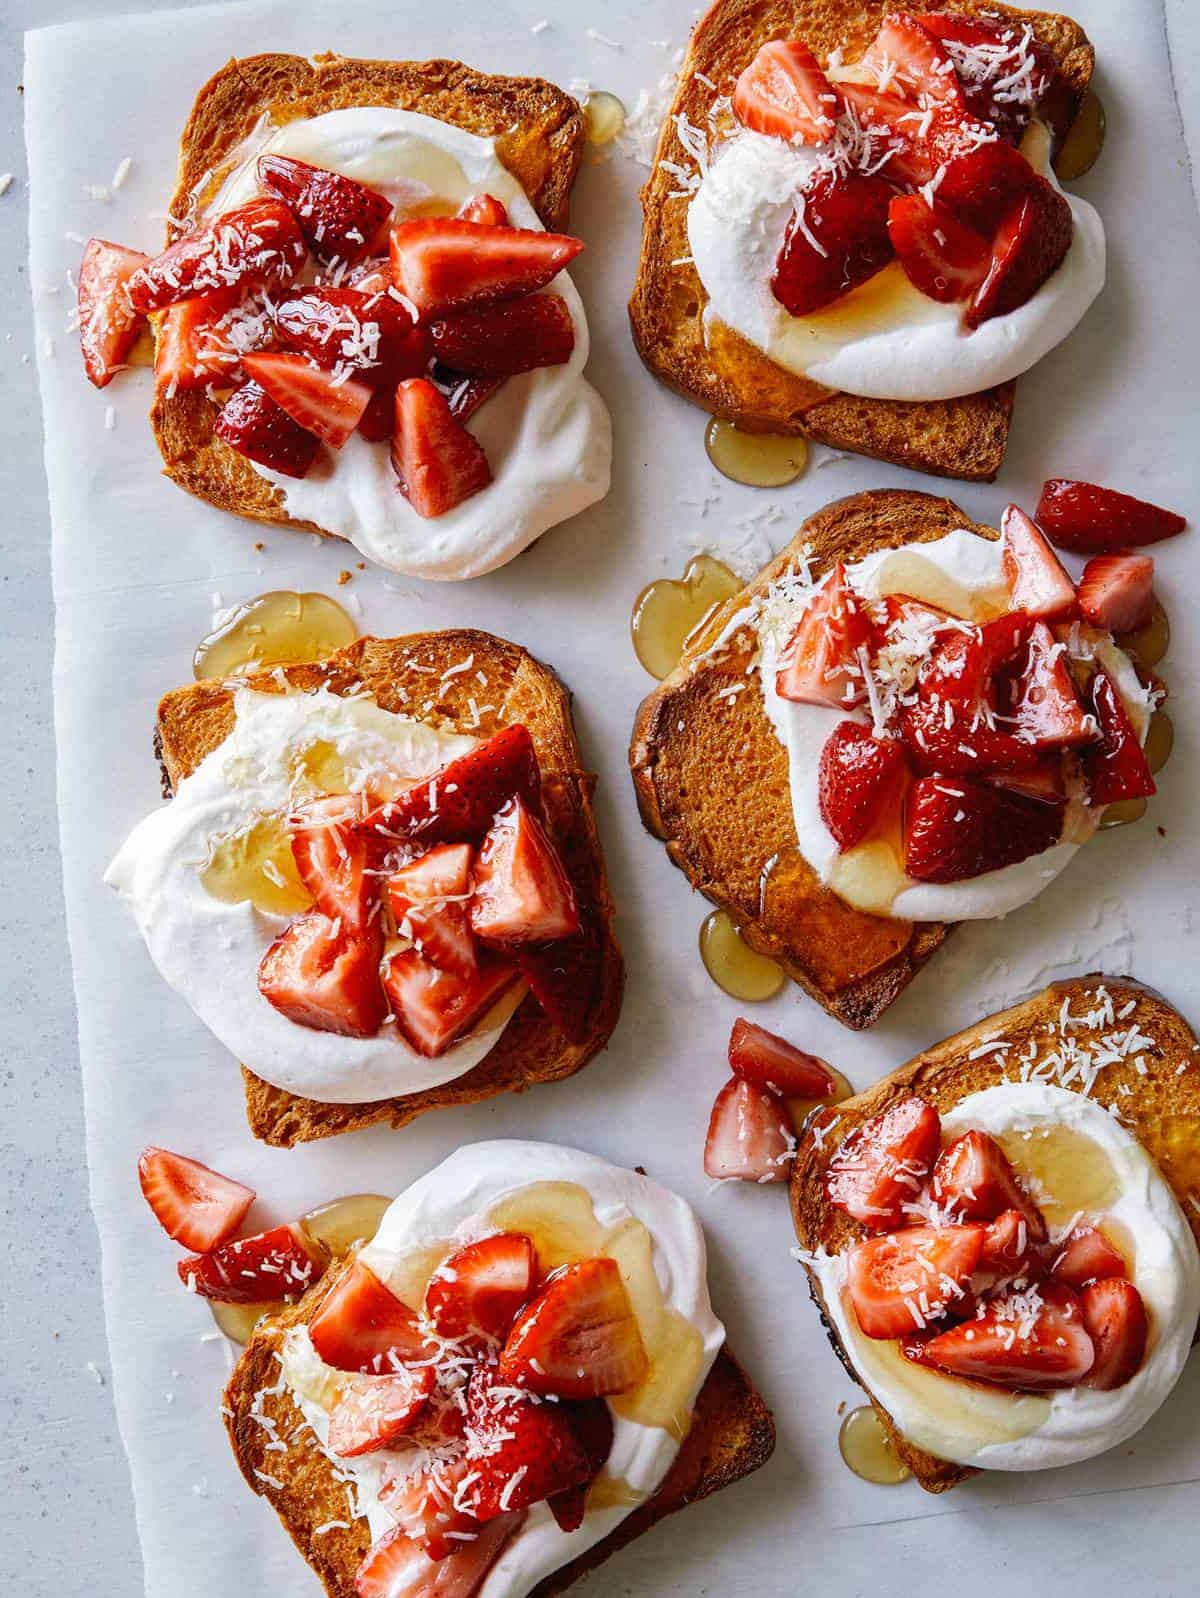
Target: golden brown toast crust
(404, 674)
(720, 371)
(732, 1435)
(539, 135)
(1161, 1109)
(712, 781)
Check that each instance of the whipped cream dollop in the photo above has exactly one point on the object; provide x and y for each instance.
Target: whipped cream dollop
(450, 1206)
(209, 949)
(546, 433)
(996, 1430)
(964, 574)
(884, 340)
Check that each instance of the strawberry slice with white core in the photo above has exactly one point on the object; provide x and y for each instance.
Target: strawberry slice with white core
(858, 781)
(484, 208)
(429, 897)
(250, 247)
(749, 1135)
(1005, 73)
(502, 340)
(579, 1337)
(438, 462)
(1010, 1241)
(1117, 767)
(326, 977)
(881, 1167)
(770, 1062)
(965, 661)
(523, 1449)
(1032, 1340)
(373, 1412)
(566, 977)
(522, 894)
(1037, 583)
(1116, 592)
(974, 1180)
(253, 424)
(397, 1567)
(480, 1288)
(1045, 781)
(955, 829)
(1091, 520)
(785, 94)
(907, 56)
(941, 256)
(1028, 247)
(360, 1325)
(821, 664)
(1086, 1256)
(108, 323)
(837, 239)
(1044, 700)
(443, 263)
(328, 404)
(901, 1281)
(281, 1263)
(427, 1500)
(592, 1423)
(193, 346)
(197, 1207)
(339, 218)
(1115, 1317)
(459, 802)
(354, 330)
(890, 121)
(434, 1008)
(334, 854)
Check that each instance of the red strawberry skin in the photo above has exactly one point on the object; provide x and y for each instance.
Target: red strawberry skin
(858, 775)
(502, 340)
(439, 464)
(1116, 768)
(255, 244)
(251, 423)
(1091, 520)
(371, 332)
(108, 324)
(459, 803)
(510, 1432)
(956, 828)
(278, 1264)
(1030, 244)
(1116, 592)
(849, 220)
(941, 256)
(337, 216)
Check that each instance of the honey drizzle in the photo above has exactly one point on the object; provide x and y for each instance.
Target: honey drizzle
(867, 1449)
(1084, 139)
(603, 117)
(274, 628)
(733, 965)
(670, 612)
(1149, 644)
(757, 460)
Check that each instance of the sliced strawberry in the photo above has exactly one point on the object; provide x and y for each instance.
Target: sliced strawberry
(373, 1412)
(428, 897)
(459, 802)
(1045, 781)
(321, 402)
(252, 423)
(444, 263)
(991, 61)
(523, 1448)
(1116, 768)
(339, 218)
(346, 328)
(481, 1287)
(983, 180)
(965, 662)
(941, 256)
(950, 739)
(378, 420)
(1010, 1242)
(197, 1207)
(858, 781)
(837, 239)
(784, 93)
(334, 855)
(1030, 243)
(522, 894)
(1044, 701)
(905, 52)
(882, 1165)
(1037, 583)
(434, 1008)
(770, 1062)
(1091, 520)
(566, 976)
(430, 1502)
(249, 247)
(592, 1423)
(466, 395)
(974, 1180)
(108, 322)
(360, 1325)
(1086, 1256)
(1116, 592)
(579, 1337)
(891, 121)
(501, 340)
(325, 977)
(396, 1567)
(821, 664)
(372, 276)
(484, 208)
(439, 464)
(281, 1263)
(192, 347)
(1115, 1318)
(905, 1279)
(1031, 1340)
(955, 829)
(749, 1135)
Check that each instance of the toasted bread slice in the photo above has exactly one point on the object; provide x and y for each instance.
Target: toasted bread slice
(712, 781)
(539, 136)
(1160, 1106)
(406, 677)
(732, 1434)
(719, 370)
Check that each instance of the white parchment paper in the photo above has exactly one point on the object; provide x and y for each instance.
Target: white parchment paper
(138, 569)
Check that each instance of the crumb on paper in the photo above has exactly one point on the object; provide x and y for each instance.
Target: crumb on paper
(259, 547)
(344, 577)
(95, 1371)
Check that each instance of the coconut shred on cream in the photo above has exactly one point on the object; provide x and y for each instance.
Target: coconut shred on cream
(546, 433)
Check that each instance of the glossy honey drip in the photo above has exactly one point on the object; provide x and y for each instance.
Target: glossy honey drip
(1160, 740)
(733, 965)
(867, 1449)
(1150, 643)
(1122, 813)
(1084, 141)
(257, 866)
(758, 460)
(672, 610)
(801, 1109)
(603, 117)
(1072, 1172)
(274, 628)
(238, 1321)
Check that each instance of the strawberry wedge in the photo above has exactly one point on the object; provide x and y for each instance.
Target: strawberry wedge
(445, 263)
(974, 1180)
(1028, 247)
(1098, 521)
(837, 239)
(882, 1165)
(481, 1288)
(1031, 1340)
(192, 346)
(749, 1135)
(957, 828)
(1087, 1255)
(197, 1207)
(502, 340)
(578, 1338)
(522, 894)
(902, 1280)
(1116, 592)
(523, 1450)
(1115, 1317)
(820, 664)
(1116, 768)
(459, 802)
(338, 217)
(281, 1263)
(253, 424)
(858, 779)
(941, 256)
(108, 322)
(767, 1061)
(325, 403)
(428, 898)
(250, 247)
(434, 1008)
(334, 854)
(373, 1412)
(397, 1567)
(361, 1325)
(784, 93)
(1037, 583)
(325, 977)
(439, 464)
